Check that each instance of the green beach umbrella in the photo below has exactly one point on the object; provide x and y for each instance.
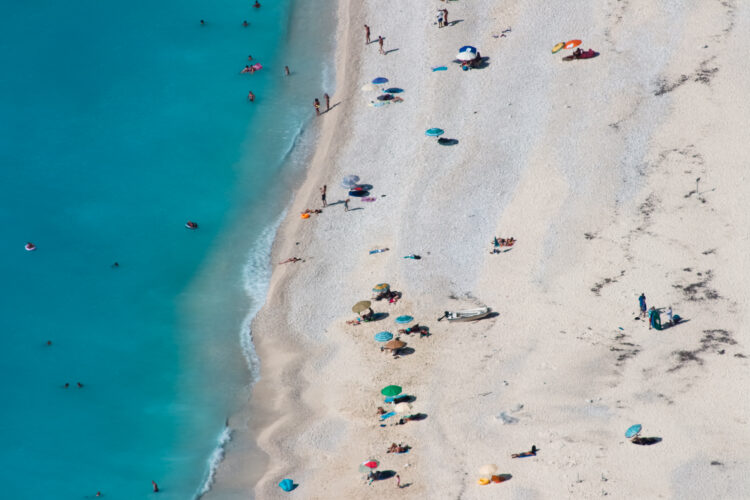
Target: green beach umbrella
(391, 390)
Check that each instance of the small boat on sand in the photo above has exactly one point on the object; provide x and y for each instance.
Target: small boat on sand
(466, 314)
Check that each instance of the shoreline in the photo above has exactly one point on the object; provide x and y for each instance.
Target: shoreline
(547, 370)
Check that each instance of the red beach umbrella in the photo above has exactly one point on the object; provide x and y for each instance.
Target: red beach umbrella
(371, 464)
(570, 44)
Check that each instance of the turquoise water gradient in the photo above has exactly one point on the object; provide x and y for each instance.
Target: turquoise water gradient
(120, 121)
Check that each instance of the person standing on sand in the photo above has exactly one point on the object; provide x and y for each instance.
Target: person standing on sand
(670, 315)
(323, 195)
(398, 481)
(367, 35)
(328, 101)
(316, 103)
(642, 304)
(440, 19)
(445, 17)
(346, 205)
(380, 43)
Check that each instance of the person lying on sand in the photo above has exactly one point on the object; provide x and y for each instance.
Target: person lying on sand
(526, 453)
(354, 322)
(381, 410)
(291, 259)
(398, 448)
(313, 211)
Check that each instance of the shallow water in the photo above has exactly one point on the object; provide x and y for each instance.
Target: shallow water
(120, 123)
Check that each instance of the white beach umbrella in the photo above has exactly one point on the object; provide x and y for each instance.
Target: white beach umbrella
(369, 87)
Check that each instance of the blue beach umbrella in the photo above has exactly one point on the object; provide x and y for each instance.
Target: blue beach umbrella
(287, 485)
(434, 132)
(633, 430)
(394, 90)
(402, 320)
(380, 80)
(383, 336)
(467, 48)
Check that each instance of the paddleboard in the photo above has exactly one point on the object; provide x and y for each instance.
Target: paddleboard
(557, 48)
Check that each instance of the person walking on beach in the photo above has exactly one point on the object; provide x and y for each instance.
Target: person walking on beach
(323, 195)
(346, 205)
(445, 17)
(642, 304)
(440, 19)
(328, 101)
(316, 103)
(367, 35)
(398, 481)
(380, 43)
(251, 96)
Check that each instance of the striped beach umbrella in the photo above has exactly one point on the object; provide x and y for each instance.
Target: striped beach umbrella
(381, 287)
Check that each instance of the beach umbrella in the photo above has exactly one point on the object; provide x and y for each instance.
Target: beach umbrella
(286, 484)
(368, 87)
(402, 408)
(381, 287)
(371, 464)
(385, 97)
(394, 90)
(394, 344)
(402, 320)
(434, 132)
(633, 431)
(360, 306)
(570, 44)
(349, 181)
(391, 390)
(380, 80)
(383, 336)
(468, 48)
(466, 56)
(488, 470)
(557, 48)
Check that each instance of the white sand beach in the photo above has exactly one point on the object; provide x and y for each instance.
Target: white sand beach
(591, 165)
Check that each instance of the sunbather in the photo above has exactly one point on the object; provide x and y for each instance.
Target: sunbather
(291, 259)
(526, 453)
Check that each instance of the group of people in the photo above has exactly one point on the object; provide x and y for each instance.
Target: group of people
(316, 104)
(654, 315)
(380, 40)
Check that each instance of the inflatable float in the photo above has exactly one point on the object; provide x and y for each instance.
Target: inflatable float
(30, 247)
(305, 216)
(557, 48)
(191, 225)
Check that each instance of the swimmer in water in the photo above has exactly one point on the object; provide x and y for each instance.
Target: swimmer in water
(203, 23)
(249, 58)
(257, 4)
(156, 488)
(251, 96)
(245, 24)
(286, 70)
(247, 69)
(80, 385)
(116, 264)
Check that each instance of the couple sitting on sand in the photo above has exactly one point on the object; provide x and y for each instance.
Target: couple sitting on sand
(392, 296)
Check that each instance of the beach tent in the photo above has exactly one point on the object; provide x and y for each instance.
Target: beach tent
(287, 485)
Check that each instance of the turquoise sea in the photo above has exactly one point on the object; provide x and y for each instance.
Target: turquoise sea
(120, 122)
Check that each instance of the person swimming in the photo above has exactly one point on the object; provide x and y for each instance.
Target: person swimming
(257, 4)
(191, 225)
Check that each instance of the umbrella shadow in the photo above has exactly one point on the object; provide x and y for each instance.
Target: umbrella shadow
(365, 187)
(453, 23)
(443, 141)
(501, 250)
(385, 474)
(667, 326)
(404, 351)
(646, 441)
(352, 210)
(505, 477)
(380, 315)
(404, 399)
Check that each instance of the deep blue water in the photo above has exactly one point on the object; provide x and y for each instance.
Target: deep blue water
(120, 122)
